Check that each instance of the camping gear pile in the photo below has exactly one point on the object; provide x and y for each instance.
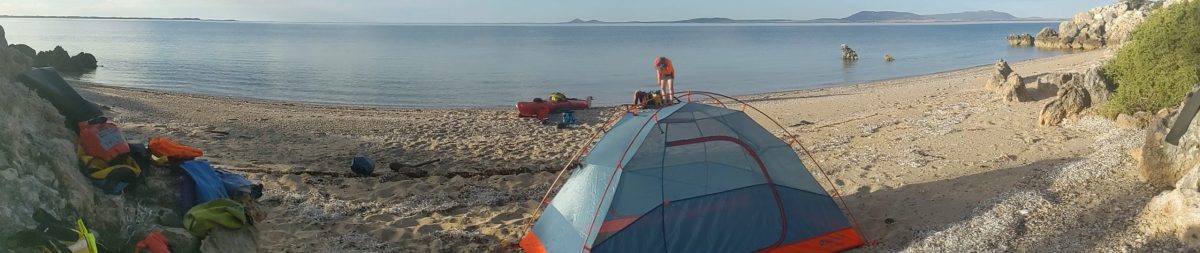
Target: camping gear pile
(648, 99)
(556, 103)
(690, 177)
(213, 200)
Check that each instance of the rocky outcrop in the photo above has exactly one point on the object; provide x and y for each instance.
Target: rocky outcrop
(1101, 26)
(1163, 164)
(24, 49)
(888, 58)
(1047, 38)
(1007, 84)
(1076, 92)
(64, 62)
(848, 54)
(3, 41)
(1099, 89)
(1177, 169)
(1020, 40)
(13, 62)
(39, 171)
(999, 77)
(1070, 102)
(84, 61)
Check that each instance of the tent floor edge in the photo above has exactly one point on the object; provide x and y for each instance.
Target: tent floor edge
(836, 241)
(531, 243)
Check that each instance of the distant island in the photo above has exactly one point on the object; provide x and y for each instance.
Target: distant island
(860, 17)
(123, 18)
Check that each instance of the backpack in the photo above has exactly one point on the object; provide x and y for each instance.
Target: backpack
(557, 97)
(105, 157)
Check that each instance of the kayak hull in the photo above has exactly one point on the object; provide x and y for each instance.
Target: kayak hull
(542, 110)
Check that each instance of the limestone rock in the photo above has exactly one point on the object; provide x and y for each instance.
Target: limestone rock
(999, 77)
(38, 166)
(84, 61)
(1138, 120)
(63, 62)
(25, 49)
(1174, 213)
(13, 62)
(1047, 38)
(1163, 164)
(1007, 84)
(57, 58)
(1101, 26)
(1013, 90)
(848, 54)
(1099, 89)
(1071, 101)
(1020, 40)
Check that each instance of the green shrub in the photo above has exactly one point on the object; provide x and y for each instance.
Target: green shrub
(1160, 64)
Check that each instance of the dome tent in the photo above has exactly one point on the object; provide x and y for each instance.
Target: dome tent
(691, 178)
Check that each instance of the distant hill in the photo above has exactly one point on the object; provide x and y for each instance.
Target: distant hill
(580, 21)
(119, 18)
(988, 15)
(895, 16)
(883, 16)
(860, 17)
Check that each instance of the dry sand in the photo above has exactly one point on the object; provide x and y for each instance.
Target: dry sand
(926, 163)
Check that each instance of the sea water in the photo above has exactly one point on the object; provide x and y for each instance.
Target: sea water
(472, 65)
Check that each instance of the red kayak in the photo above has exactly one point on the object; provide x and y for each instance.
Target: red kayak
(542, 110)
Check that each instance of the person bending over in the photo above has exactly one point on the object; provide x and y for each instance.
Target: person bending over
(666, 78)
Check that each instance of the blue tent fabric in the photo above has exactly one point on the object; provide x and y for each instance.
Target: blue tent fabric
(691, 178)
(237, 185)
(208, 185)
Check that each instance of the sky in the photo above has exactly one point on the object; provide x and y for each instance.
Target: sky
(516, 11)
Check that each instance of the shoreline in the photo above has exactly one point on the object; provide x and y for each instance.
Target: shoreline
(911, 156)
(817, 88)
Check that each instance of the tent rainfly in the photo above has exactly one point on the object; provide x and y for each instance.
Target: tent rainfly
(691, 177)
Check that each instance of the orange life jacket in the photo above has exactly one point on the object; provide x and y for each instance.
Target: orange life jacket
(102, 140)
(163, 147)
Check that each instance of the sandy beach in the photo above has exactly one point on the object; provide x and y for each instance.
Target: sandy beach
(927, 164)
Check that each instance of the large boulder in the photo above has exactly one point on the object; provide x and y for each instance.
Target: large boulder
(1138, 120)
(25, 49)
(13, 62)
(1007, 84)
(1070, 102)
(999, 75)
(1163, 164)
(1098, 87)
(1175, 167)
(84, 61)
(57, 58)
(1076, 92)
(848, 54)
(1047, 38)
(1020, 40)
(63, 62)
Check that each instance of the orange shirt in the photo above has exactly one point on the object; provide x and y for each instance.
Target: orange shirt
(669, 70)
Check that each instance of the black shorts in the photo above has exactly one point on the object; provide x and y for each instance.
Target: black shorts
(667, 77)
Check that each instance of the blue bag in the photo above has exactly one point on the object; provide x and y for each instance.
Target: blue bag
(237, 185)
(362, 166)
(208, 185)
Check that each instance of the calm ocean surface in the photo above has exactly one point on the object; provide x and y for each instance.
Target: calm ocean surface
(496, 65)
